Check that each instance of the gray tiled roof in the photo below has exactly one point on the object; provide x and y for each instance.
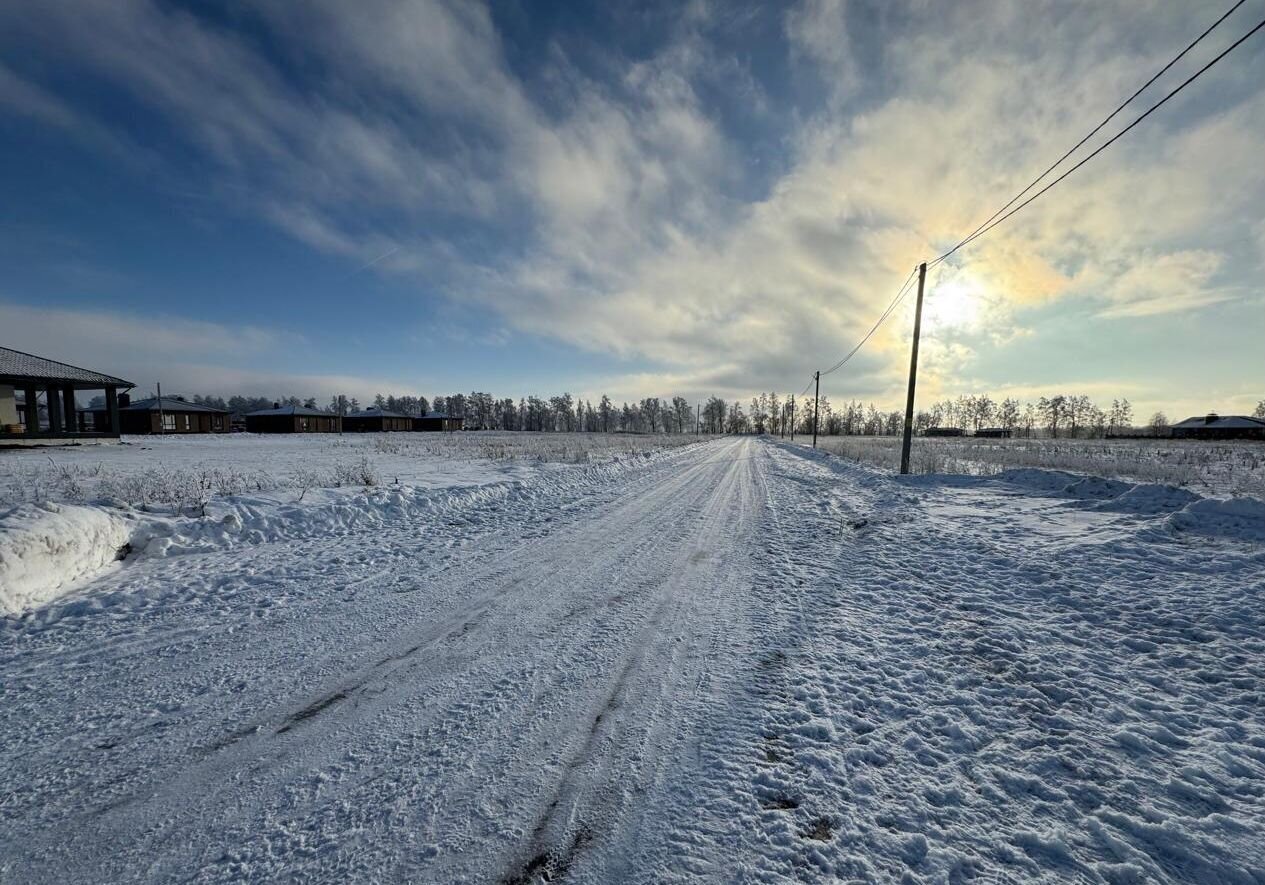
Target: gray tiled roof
(293, 410)
(377, 413)
(17, 365)
(1221, 422)
(169, 404)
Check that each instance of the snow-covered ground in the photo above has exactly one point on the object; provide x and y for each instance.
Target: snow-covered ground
(1209, 468)
(733, 661)
(186, 470)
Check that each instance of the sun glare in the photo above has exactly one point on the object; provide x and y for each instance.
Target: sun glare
(954, 303)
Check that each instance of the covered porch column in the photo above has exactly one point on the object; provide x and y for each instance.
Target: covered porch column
(32, 409)
(112, 408)
(68, 403)
(52, 398)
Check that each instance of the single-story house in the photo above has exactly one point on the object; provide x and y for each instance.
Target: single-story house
(48, 413)
(293, 419)
(995, 432)
(943, 431)
(1214, 426)
(375, 420)
(166, 414)
(436, 421)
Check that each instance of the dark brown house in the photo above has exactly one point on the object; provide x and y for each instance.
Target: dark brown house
(436, 421)
(377, 421)
(164, 415)
(293, 419)
(48, 414)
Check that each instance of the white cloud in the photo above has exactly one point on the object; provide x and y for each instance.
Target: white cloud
(620, 193)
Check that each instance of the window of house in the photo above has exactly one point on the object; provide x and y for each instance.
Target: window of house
(186, 421)
(303, 424)
(217, 422)
(169, 422)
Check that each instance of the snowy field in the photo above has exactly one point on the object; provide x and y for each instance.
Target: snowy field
(184, 471)
(739, 660)
(1209, 468)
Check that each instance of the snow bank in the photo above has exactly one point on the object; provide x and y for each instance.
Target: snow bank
(45, 549)
(1096, 488)
(1149, 498)
(1037, 479)
(1237, 518)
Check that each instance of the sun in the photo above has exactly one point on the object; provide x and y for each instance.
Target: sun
(955, 303)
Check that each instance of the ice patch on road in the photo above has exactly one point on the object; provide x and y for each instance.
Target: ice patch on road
(46, 550)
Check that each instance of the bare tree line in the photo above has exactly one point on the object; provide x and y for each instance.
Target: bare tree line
(1061, 415)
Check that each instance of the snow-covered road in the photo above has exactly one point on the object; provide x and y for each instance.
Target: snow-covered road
(740, 661)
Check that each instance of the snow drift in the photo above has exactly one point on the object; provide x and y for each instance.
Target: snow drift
(1236, 518)
(46, 549)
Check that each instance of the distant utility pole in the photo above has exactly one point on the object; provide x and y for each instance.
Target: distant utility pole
(697, 425)
(816, 396)
(913, 373)
(792, 417)
(161, 421)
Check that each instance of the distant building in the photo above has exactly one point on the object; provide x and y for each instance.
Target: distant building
(1214, 426)
(942, 431)
(995, 432)
(374, 420)
(292, 419)
(164, 415)
(436, 421)
(57, 419)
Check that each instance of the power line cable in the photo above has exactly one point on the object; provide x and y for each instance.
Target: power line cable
(998, 217)
(995, 220)
(904, 290)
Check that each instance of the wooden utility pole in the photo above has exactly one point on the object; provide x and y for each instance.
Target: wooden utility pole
(816, 397)
(913, 373)
(697, 426)
(792, 417)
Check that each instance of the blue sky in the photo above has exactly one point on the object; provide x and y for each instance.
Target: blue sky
(673, 198)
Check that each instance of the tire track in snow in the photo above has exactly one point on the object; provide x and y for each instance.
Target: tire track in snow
(456, 729)
(587, 792)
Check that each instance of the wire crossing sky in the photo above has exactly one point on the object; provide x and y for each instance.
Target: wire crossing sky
(700, 199)
(1006, 211)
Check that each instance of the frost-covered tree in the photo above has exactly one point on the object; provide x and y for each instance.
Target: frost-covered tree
(1158, 424)
(604, 412)
(1260, 410)
(1008, 413)
(681, 413)
(714, 412)
(650, 413)
(1053, 411)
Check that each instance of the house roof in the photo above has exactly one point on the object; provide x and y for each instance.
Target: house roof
(443, 415)
(377, 413)
(169, 404)
(1221, 422)
(292, 410)
(16, 365)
